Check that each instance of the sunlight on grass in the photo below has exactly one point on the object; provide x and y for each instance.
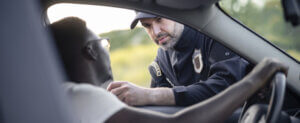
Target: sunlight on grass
(131, 63)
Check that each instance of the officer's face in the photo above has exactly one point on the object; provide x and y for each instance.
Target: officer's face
(163, 32)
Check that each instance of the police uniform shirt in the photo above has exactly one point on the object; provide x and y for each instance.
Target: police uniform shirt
(196, 68)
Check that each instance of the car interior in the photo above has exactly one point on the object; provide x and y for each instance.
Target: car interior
(32, 71)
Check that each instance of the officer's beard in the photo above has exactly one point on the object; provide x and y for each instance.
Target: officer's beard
(173, 38)
(167, 44)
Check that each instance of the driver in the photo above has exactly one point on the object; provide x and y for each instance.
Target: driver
(83, 57)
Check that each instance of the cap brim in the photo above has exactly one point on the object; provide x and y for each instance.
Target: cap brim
(140, 15)
(134, 23)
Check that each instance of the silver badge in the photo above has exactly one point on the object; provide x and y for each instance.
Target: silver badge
(197, 61)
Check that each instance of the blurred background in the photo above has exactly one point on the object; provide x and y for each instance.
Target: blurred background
(265, 17)
(131, 51)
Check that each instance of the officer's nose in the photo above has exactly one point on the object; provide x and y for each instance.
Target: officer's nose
(156, 29)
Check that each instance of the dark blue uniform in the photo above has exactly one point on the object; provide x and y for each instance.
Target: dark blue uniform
(196, 68)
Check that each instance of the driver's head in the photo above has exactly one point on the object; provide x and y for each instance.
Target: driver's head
(162, 31)
(84, 57)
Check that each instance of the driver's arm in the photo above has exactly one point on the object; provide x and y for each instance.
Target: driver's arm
(212, 110)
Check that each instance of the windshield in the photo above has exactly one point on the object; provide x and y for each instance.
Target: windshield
(265, 17)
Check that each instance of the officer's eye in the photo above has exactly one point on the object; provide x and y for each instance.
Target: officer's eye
(158, 19)
(146, 25)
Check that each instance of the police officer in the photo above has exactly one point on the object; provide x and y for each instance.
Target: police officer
(189, 67)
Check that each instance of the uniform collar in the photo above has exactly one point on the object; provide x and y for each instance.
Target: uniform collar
(187, 39)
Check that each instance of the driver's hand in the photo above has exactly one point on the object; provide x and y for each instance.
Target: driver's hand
(129, 93)
(264, 71)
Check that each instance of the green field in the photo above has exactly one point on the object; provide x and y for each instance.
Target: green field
(131, 63)
(131, 52)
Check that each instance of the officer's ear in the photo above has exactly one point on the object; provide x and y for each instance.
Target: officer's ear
(89, 51)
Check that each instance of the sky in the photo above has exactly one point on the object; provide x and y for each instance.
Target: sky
(99, 19)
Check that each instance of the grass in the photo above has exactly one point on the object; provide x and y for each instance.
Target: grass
(131, 63)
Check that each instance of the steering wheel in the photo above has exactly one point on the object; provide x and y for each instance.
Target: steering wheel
(253, 113)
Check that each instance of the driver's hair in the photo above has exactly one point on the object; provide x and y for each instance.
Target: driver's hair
(69, 33)
(70, 27)
(70, 38)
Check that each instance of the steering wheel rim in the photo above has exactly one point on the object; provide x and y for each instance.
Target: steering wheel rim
(276, 100)
(277, 97)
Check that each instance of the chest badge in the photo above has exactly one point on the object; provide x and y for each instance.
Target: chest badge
(197, 61)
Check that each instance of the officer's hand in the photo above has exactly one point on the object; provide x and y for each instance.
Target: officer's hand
(129, 93)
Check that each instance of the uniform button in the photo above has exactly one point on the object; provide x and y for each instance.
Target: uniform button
(227, 53)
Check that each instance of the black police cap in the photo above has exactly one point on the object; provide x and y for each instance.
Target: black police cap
(140, 15)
